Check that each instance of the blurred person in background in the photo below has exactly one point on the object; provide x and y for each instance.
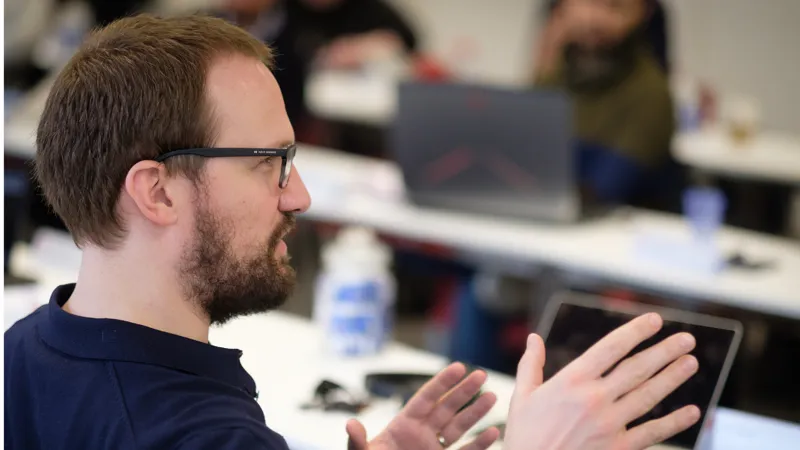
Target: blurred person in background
(602, 53)
(610, 56)
(328, 34)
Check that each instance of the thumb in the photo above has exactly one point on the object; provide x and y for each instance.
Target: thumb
(530, 371)
(356, 435)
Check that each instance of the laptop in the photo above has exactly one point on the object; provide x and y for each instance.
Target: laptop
(487, 150)
(573, 322)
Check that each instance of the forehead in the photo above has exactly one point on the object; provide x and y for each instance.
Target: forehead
(247, 104)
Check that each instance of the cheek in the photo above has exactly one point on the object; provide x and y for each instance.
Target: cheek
(250, 209)
(255, 219)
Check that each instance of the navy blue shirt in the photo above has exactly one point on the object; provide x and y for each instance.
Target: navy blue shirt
(77, 383)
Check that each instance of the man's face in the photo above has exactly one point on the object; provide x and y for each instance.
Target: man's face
(236, 261)
(596, 24)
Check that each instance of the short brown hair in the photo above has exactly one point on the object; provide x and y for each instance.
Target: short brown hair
(135, 89)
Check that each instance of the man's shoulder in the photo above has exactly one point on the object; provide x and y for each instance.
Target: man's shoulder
(184, 410)
(233, 438)
(218, 422)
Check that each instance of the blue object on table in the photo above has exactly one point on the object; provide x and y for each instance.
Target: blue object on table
(704, 208)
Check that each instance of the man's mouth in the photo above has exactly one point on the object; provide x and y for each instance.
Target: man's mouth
(286, 228)
(281, 249)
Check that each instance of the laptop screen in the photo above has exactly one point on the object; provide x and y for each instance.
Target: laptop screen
(572, 325)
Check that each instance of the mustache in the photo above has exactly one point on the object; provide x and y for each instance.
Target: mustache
(286, 227)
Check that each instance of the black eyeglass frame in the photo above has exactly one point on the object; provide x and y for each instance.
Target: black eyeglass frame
(286, 154)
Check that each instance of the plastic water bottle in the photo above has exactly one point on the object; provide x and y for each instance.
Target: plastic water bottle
(355, 293)
(704, 208)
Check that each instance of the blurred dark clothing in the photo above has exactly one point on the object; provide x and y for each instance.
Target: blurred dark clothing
(107, 11)
(656, 31)
(296, 32)
(624, 116)
(623, 113)
(626, 107)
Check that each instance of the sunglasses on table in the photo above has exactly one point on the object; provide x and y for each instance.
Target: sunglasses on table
(286, 154)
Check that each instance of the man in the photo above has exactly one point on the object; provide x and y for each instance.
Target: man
(166, 149)
(597, 51)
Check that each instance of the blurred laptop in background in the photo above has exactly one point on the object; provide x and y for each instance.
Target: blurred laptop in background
(488, 150)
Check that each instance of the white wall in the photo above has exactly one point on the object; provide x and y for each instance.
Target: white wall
(500, 31)
(744, 47)
(741, 47)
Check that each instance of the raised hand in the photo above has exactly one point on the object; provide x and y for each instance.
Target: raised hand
(431, 420)
(580, 409)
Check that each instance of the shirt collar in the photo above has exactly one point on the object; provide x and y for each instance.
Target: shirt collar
(117, 340)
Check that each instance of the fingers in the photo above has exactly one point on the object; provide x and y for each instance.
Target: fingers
(466, 419)
(647, 396)
(606, 352)
(639, 368)
(530, 371)
(483, 440)
(459, 396)
(659, 430)
(427, 398)
(356, 435)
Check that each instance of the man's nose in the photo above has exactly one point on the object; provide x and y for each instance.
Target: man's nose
(295, 197)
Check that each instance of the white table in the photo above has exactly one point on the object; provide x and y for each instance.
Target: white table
(768, 156)
(284, 355)
(771, 157)
(287, 374)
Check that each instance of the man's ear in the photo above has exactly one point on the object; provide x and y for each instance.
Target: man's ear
(147, 184)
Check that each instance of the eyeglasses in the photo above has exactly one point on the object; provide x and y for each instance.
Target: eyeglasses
(287, 156)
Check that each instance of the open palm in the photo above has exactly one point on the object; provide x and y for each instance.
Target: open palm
(434, 412)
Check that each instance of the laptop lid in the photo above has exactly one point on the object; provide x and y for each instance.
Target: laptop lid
(489, 150)
(573, 322)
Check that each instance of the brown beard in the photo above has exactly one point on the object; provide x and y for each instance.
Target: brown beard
(225, 286)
